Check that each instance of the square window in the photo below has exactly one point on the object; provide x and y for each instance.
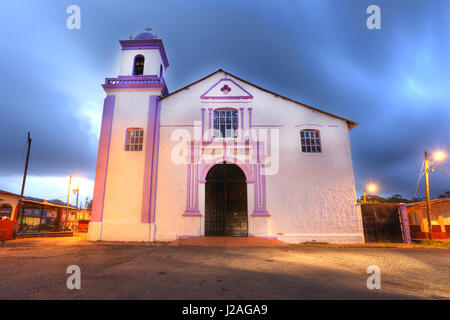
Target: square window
(134, 139)
(310, 141)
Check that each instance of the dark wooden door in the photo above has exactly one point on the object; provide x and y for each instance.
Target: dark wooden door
(381, 222)
(226, 202)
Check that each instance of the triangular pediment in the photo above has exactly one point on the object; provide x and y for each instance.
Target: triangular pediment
(237, 92)
(226, 88)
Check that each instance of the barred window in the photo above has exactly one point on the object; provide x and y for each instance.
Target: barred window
(135, 139)
(5, 212)
(310, 141)
(225, 123)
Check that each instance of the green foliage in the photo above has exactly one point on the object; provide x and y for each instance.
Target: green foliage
(397, 198)
(445, 195)
(433, 243)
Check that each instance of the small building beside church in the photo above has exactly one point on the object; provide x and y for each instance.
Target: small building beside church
(9, 208)
(440, 219)
(218, 157)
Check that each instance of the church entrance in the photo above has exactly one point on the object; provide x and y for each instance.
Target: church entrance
(226, 201)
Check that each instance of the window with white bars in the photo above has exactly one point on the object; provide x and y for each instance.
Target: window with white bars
(310, 141)
(135, 139)
(5, 212)
(225, 123)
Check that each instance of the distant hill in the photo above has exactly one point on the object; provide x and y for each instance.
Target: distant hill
(54, 201)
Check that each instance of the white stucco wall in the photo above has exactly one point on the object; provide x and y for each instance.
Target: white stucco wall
(312, 196)
(122, 208)
(152, 61)
(12, 200)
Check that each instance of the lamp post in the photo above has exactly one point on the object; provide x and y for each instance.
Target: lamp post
(77, 192)
(439, 155)
(371, 187)
(67, 207)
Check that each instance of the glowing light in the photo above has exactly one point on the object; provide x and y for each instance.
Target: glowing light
(371, 187)
(439, 155)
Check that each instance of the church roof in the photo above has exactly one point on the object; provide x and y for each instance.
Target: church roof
(351, 124)
(144, 36)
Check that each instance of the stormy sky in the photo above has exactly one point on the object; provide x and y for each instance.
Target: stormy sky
(394, 82)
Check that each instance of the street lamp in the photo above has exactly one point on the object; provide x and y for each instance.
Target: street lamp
(372, 188)
(437, 156)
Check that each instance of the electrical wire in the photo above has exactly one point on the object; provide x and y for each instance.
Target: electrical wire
(421, 174)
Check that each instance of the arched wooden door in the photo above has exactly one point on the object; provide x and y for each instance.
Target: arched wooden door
(226, 201)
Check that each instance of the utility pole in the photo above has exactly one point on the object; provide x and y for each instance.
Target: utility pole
(67, 207)
(78, 194)
(76, 206)
(17, 218)
(427, 186)
(365, 201)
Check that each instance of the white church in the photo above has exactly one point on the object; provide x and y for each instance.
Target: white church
(219, 157)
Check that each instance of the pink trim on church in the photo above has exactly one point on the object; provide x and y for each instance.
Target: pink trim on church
(245, 168)
(252, 166)
(135, 82)
(248, 96)
(151, 161)
(102, 158)
(192, 208)
(260, 209)
(146, 44)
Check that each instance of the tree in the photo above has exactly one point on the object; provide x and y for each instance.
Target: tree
(397, 198)
(445, 195)
(89, 204)
(372, 198)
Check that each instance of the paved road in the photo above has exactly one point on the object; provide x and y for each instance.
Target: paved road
(36, 269)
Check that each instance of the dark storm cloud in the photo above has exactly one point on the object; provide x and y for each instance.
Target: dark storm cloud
(393, 81)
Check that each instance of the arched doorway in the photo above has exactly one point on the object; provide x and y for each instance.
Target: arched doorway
(226, 201)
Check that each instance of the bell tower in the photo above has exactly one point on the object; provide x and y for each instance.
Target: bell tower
(144, 55)
(125, 180)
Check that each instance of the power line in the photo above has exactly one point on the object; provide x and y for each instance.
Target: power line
(421, 174)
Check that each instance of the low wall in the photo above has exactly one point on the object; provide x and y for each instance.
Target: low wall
(7, 225)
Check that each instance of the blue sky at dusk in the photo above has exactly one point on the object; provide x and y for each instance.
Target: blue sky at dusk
(395, 82)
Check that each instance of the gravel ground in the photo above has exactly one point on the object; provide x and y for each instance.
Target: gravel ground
(36, 269)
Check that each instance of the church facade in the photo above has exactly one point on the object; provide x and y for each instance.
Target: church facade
(219, 157)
